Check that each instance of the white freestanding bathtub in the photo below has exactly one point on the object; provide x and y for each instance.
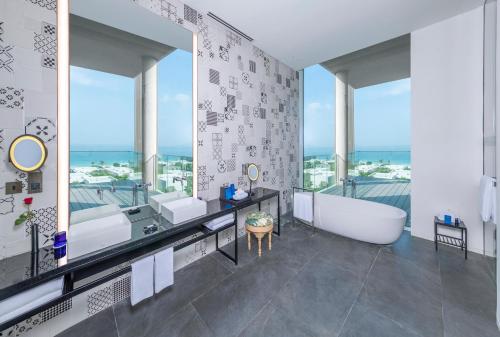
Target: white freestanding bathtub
(358, 219)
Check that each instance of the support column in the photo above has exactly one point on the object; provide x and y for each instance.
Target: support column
(149, 119)
(138, 113)
(350, 123)
(341, 125)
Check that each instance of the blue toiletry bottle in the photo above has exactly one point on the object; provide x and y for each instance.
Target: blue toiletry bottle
(227, 193)
(447, 219)
(233, 190)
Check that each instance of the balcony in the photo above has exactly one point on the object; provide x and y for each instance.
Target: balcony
(100, 178)
(381, 176)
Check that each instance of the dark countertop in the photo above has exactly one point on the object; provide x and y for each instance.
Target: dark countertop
(18, 273)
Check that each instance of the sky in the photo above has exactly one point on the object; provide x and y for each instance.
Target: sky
(102, 106)
(102, 109)
(381, 113)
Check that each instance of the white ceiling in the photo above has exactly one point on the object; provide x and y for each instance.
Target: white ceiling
(301, 33)
(128, 17)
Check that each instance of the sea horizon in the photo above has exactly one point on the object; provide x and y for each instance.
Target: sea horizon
(86, 155)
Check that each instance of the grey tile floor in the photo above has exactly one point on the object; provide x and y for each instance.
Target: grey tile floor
(317, 285)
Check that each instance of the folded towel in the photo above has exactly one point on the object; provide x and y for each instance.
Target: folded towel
(223, 219)
(164, 269)
(487, 198)
(218, 225)
(30, 299)
(240, 196)
(141, 285)
(303, 206)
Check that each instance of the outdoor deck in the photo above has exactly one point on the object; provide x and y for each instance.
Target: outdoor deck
(390, 192)
(82, 197)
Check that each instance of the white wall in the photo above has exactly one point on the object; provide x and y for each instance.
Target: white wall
(447, 139)
(490, 108)
(497, 122)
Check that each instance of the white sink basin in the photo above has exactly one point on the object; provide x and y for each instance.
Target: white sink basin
(157, 200)
(181, 210)
(89, 236)
(94, 213)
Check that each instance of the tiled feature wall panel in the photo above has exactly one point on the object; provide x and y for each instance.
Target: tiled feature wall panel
(247, 113)
(239, 117)
(27, 105)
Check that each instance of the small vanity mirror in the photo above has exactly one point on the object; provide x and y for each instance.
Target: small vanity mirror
(27, 153)
(253, 174)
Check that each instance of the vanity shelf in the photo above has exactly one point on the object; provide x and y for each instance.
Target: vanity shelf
(23, 276)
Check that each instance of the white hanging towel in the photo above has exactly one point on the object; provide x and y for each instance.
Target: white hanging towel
(487, 198)
(164, 269)
(303, 206)
(494, 206)
(142, 280)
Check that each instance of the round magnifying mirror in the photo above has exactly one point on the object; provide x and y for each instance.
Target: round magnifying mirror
(27, 153)
(253, 172)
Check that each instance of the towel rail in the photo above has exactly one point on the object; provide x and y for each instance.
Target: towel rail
(305, 190)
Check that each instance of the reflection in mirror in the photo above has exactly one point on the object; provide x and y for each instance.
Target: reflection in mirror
(131, 120)
(27, 153)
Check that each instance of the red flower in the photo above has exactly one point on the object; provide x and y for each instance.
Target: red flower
(28, 201)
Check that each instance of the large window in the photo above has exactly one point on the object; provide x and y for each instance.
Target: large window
(319, 128)
(382, 131)
(102, 127)
(175, 122)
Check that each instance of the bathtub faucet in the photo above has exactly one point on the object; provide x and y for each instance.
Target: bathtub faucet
(348, 181)
(135, 192)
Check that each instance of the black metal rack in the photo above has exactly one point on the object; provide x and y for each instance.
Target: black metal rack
(305, 190)
(459, 242)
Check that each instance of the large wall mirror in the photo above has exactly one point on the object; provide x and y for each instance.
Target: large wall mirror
(131, 117)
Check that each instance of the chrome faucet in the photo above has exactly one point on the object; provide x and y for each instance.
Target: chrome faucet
(181, 180)
(100, 190)
(345, 182)
(135, 192)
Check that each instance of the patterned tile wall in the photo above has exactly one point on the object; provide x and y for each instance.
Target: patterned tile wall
(248, 106)
(28, 104)
(247, 113)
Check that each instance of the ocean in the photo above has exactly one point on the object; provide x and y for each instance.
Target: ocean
(400, 155)
(87, 155)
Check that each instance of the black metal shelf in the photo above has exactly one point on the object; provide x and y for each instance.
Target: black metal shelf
(459, 242)
(82, 268)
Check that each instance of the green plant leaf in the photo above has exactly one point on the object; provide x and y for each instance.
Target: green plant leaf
(22, 218)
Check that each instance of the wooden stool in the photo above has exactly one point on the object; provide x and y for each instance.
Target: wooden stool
(259, 232)
(260, 224)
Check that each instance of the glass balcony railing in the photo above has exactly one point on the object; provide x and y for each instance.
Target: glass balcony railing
(380, 164)
(100, 178)
(96, 167)
(380, 176)
(174, 173)
(319, 172)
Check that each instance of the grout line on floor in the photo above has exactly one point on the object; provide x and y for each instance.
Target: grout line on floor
(201, 318)
(258, 313)
(116, 323)
(284, 286)
(442, 294)
(360, 290)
